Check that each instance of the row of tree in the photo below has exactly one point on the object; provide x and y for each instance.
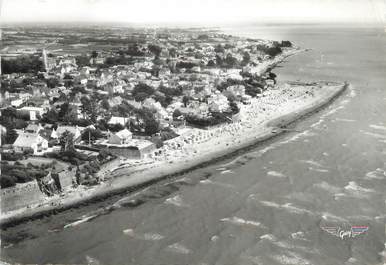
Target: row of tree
(22, 64)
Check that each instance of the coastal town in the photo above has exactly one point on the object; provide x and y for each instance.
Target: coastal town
(78, 111)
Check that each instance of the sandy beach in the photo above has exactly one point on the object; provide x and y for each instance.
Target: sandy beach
(264, 118)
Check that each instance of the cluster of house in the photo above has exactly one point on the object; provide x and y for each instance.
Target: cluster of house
(198, 83)
(35, 139)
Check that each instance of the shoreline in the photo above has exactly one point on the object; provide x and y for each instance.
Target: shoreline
(123, 183)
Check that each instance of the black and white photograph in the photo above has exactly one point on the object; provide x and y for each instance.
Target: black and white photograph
(193, 132)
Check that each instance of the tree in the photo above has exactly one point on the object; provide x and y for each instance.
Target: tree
(155, 49)
(91, 134)
(89, 108)
(185, 100)
(51, 116)
(146, 122)
(22, 64)
(177, 113)
(52, 82)
(219, 60)
(134, 50)
(246, 58)
(142, 92)
(234, 108)
(273, 51)
(67, 113)
(82, 60)
(105, 104)
(7, 181)
(219, 49)
(286, 43)
(231, 97)
(230, 60)
(10, 136)
(173, 52)
(66, 141)
(211, 63)
(94, 54)
(115, 127)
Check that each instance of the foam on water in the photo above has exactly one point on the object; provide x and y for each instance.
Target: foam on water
(375, 135)
(214, 238)
(128, 231)
(352, 93)
(266, 149)
(270, 204)
(298, 235)
(152, 236)
(176, 201)
(377, 127)
(351, 260)
(268, 237)
(332, 218)
(145, 236)
(129, 198)
(287, 207)
(291, 258)
(316, 124)
(311, 162)
(227, 171)
(332, 111)
(293, 209)
(299, 136)
(376, 174)
(292, 246)
(81, 221)
(239, 221)
(92, 261)
(380, 217)
(276, 174)
(230, 163)
(206, 181)
(353, 186)
(345, 120)
(327, 187)
(318, 169)
(7, 246)
(178, 248)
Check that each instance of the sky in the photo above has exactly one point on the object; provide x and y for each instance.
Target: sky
(193, 11)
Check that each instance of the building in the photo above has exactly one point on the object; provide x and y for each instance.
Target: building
(30, 142)
(118, 120)
(16, 102)
(135, 149)
(33, 112)
(121, 137)
(218, 102)
(34, 128)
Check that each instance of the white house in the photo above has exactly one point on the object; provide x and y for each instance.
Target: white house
(33, 112)
(121, 137)
(17, 102)
(34, 128)
(218, 102)
(30, 141)
(118, 120)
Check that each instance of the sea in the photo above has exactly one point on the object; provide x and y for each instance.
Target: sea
(314, 195)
